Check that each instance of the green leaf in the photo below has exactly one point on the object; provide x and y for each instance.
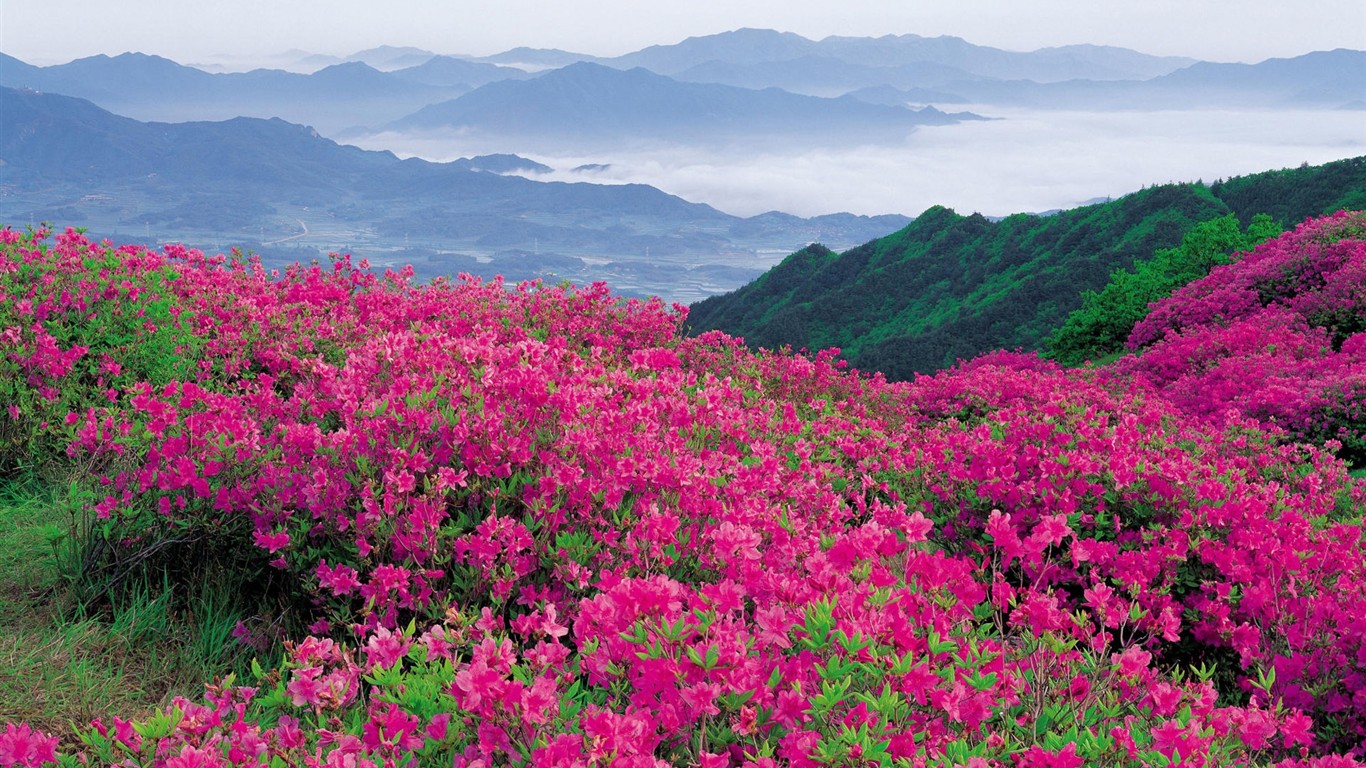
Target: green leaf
(983, 682)
(160, 725)
(713, 655)
(693, 655)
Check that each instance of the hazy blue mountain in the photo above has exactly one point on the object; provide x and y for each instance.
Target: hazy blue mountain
(838, 227)
(219, 184)
(588, 103)
(825, 76)
(755, 46)
(14, 70)
(742, 46)
(52, 138)
(501, 164)
(713, 88)
(68, 139)
(949, 70)
(892, 96)
(128, 77)
(388, 57)
(1322, 79)
(153, 88)
(1092, 62)
(535, 59)
(447, 71)
(312, 61)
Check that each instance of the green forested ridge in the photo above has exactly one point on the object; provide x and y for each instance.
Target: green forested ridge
(949, 286)
(1100, 327)
(1290, 196)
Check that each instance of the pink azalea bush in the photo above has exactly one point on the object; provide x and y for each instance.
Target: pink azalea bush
(1279, 335)
(537, 526)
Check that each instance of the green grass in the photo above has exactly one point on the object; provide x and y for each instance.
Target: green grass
(64, 658)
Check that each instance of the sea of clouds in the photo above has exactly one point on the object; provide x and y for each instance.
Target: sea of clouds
(1023, 161)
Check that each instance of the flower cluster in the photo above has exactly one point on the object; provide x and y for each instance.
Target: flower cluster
(1279, 335)
(536, 526)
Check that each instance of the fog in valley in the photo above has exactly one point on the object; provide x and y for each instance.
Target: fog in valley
(1023, 161)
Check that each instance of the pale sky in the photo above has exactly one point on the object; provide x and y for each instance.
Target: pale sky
(189, 31)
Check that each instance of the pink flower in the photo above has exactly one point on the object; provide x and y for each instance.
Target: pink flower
(192, 757)
(1297, 728)
(1133, 661)
(447, 478)
(305, 689)
(702, 698)
(550, 626)
(1080, 687)
(272, 542)
(437, 643)
(1038, 757)
(341, 579)
(1165, 699)
(385, 648)
(20, 745)
(391, 729)
(1052, 529)
(436, 729)
(918, 527)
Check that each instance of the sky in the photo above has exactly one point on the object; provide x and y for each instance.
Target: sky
(191, 31)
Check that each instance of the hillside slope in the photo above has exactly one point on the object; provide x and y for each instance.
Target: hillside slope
(538, 527)
(949, 287)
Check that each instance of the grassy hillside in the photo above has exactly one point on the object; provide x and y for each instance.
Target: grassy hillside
(950, 287)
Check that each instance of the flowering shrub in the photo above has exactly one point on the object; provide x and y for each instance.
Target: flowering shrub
(1279, 335)
(535, 526)
(78, 324)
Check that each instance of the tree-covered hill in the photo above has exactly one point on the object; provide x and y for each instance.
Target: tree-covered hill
(950, 287)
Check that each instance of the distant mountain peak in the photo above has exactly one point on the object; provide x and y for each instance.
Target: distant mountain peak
(535, 59)
(388, 57)
(389, 50)
(750, 33)
(501, 164)
(594, 69)
(133, 57)
(348, 66)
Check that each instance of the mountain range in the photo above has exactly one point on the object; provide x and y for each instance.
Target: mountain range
(950, 287)
(158, 89)
(592, 104)
(756, 51)
(1319, 80)
(403, 86)
(218, 184)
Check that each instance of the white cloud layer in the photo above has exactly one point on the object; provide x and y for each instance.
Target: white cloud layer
(1029, 161)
